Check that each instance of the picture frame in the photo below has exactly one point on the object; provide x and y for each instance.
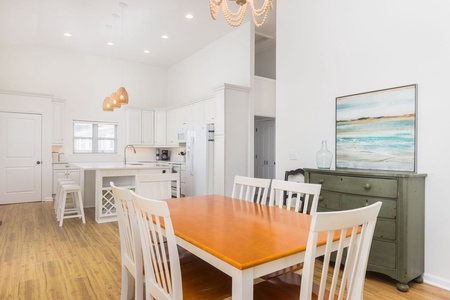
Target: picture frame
(377, 130)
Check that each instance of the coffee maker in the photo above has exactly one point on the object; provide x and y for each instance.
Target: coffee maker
(165, 155)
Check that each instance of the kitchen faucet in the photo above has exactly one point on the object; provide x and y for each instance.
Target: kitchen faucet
(125, 153)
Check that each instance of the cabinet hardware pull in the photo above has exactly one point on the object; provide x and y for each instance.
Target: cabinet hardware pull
(367, 186)
(321, 181)
(320, 198)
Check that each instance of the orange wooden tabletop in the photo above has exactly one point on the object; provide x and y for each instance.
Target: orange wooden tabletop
(242, 233)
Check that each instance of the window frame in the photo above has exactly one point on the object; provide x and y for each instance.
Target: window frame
(95, 137)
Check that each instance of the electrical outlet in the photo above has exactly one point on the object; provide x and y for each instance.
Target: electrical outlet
(293, 155)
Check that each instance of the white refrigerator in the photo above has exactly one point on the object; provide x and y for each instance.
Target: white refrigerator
(200, 160)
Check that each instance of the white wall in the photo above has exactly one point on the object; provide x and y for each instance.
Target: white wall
(265, 63)
(349, 46)
(227, 60)
(83, 81)
(265, 94)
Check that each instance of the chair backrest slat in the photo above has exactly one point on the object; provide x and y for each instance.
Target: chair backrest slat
(163, 280)
(254, 189)
(355, 228)
(305, 193)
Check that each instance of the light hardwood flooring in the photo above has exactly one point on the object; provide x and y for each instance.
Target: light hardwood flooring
(39, 260)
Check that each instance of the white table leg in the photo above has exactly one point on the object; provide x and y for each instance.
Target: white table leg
(242, 284)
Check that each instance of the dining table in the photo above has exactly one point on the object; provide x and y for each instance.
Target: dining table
(242, 239)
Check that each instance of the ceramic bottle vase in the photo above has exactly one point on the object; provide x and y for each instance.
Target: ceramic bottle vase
(324, 157)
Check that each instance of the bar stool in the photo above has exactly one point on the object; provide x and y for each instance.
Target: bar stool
(58, 195)
(73, 190)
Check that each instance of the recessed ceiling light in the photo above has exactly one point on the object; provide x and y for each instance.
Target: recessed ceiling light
(165, 36)
(147, 51)
(110, 43)
(67, 34)
(189, 16)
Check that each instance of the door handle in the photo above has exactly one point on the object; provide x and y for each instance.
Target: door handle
(38, 162)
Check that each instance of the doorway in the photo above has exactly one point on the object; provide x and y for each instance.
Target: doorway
(20, 157)
(264, 147)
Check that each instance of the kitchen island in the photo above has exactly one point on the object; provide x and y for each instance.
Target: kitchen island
(96, 176)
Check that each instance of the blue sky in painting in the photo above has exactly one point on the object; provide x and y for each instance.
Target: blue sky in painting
(393, 102)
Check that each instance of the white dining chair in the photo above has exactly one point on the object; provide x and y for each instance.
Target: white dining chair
(163, 272)
(297, 196)
(355, 230)
(157, 186)
(130, 245)
(251, 189)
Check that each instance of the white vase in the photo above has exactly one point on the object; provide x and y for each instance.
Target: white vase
(324, 157)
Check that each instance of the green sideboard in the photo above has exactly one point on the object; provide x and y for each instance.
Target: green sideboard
(398, 242)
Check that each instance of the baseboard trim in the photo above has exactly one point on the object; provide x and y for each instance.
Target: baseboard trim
(440, 282)
(48, 199)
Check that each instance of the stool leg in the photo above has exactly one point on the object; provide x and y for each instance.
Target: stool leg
(62, 207)
(80, 206)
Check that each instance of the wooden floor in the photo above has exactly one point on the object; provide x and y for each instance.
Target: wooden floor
(39, 260)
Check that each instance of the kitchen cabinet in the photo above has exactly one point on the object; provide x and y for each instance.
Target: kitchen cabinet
(231, 136)
(177, 120)
(160, 128)
(64, 171)
(209, 111)
(198, 113)
(140, 127)
(57, 122)
(398, 243)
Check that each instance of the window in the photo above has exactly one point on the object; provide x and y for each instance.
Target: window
(94, 137)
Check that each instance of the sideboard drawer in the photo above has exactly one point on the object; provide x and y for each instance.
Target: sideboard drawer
(383, 254)
(388, 208)
(385, 229)
(329, 200)
(380, 187)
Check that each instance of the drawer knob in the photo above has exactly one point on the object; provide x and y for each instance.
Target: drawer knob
(320, 198)
(321, 181)
(367, 186)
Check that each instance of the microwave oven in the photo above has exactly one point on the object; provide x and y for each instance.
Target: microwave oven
(182, 136)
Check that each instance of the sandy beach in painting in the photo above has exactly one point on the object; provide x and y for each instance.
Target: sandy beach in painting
(380, 143)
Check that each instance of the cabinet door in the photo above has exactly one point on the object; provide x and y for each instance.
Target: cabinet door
(210, 110)
(147, 128)
(134, 127)
(198, 113)
(173, 123)
(57, 174)
(160, 128)
(57, 123)
(74, 175)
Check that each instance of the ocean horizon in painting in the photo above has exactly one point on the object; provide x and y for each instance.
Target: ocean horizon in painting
(376, 131)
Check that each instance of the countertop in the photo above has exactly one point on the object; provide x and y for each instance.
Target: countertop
(117, 165)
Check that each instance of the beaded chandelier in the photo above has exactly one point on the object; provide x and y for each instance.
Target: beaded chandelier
(235, 19)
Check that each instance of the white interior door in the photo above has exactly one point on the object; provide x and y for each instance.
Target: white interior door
(20, 158)
(265, 149)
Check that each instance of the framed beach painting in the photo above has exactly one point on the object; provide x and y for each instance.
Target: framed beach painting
(377, 130)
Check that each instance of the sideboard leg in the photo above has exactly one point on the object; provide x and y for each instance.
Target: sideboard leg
(418, 279)
(403, 287)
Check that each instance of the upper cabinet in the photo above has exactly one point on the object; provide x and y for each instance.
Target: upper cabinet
(210, 110)
(57, 122)
(176, 121)
(140, 127)
(160, 128)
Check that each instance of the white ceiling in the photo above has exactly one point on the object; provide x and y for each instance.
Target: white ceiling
(43, 23)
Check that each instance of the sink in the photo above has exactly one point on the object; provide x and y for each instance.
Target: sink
(135, 164)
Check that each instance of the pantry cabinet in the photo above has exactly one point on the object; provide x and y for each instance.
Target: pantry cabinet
(398, 243)
(57, 122)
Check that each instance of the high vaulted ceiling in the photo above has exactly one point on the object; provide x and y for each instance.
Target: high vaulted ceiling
(43, 23)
